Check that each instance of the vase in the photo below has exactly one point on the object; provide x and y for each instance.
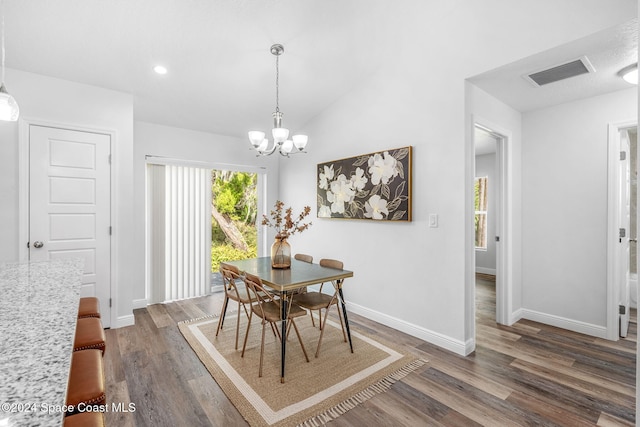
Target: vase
(280, 253)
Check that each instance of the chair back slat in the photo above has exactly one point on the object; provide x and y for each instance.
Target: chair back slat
(304, 257)
(232, 270)
(331, 263)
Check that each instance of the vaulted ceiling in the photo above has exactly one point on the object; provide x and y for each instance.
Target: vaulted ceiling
(221, 73)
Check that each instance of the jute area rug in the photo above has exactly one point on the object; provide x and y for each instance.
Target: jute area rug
(314, 393)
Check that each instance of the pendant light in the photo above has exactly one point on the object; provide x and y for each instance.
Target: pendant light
(9, 110)
(281, 142)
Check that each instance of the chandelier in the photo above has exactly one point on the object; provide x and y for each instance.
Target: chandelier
(281, 141)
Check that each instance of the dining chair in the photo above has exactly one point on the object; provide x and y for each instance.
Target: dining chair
(236, 290)
(304, 257)
(267, 308)
(321, 301)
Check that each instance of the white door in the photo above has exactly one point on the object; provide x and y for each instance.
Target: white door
(625, 228)
(70, 204)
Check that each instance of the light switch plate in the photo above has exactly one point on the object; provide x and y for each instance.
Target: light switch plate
(433, 220)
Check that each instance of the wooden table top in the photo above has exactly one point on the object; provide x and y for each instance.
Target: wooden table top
(282, 280)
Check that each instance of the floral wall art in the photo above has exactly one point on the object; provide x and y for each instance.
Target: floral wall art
(374, 186)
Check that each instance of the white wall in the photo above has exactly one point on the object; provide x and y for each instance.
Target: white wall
(564, 186)
(156, 140)
(486, 258)
(71, 104)
(410, 276)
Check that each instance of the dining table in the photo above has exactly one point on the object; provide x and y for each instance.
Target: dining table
(286, 281)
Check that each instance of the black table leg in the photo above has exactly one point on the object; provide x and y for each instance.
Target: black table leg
(346, 320)
(224, 311)
(283, 338)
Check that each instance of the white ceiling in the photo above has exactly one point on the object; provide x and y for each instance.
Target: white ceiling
(609, 51)
(221, 74)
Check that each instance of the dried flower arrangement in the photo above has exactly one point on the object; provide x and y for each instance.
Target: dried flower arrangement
(285, 225)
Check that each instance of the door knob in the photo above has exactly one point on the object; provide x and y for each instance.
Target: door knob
(38, 244)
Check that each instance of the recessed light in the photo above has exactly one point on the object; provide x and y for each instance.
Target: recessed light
(160, 69)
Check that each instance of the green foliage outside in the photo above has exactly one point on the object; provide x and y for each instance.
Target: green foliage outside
(227, 252)
(234, 195)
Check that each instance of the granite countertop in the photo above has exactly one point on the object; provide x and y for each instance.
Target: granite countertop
(38, 312)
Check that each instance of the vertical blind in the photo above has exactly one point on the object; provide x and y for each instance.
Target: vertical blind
(179, 218)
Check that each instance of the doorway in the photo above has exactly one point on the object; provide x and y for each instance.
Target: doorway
(491, 245)
(485, 142)
(622, 234)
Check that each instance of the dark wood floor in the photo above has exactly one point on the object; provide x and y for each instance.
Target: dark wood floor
(528, 374)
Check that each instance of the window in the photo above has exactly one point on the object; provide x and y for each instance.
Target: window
(481, 212)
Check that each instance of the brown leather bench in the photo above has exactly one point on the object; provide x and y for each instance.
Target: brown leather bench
(89, 335)
(89, 307)
(86, 379)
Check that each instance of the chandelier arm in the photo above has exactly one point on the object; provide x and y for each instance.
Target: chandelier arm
(294, 152)
(279, 148)
(270, 152)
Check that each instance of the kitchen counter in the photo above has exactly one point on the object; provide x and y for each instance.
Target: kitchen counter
(38, 312)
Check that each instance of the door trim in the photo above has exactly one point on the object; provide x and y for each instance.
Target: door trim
(23, 196)
(613, 212)
(504, 268)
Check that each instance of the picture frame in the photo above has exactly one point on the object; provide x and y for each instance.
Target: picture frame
(374, 186)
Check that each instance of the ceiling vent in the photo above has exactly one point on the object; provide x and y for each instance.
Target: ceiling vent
(560, 72)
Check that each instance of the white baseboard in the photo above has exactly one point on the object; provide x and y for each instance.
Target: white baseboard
(564, 323)
(128, 320)
(483, 270)
(515, 316)
(451, 344)
(139, 303)
(469, 347)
